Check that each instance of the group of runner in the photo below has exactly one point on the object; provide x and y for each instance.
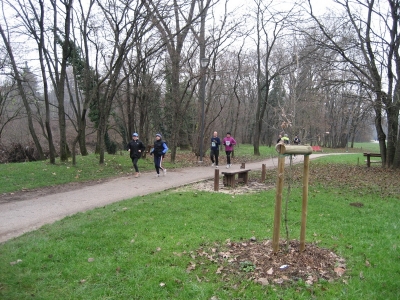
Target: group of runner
(160, 148)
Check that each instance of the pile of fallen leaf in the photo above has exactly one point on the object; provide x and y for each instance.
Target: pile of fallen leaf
(257, 261)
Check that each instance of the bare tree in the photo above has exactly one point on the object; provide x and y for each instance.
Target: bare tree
(124, 35)
(377, 51)
(224, 73)
(9, 110)
(173, 23)
(271, 29)
(19, 79)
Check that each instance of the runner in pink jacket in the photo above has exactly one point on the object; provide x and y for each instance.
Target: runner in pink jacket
(228, 142)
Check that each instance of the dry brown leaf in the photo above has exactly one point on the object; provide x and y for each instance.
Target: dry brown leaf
(310, 280)
(262, 281)
(191, 267)
(339, 271)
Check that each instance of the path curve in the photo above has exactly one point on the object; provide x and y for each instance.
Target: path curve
(18, 217)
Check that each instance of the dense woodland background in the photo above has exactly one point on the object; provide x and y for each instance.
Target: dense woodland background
(80, 76)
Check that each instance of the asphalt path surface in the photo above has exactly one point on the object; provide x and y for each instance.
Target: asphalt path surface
(20, 216)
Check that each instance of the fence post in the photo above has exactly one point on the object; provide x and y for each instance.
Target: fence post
(216, 180)
(263, 172)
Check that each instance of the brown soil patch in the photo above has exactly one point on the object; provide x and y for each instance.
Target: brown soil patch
(257, 261)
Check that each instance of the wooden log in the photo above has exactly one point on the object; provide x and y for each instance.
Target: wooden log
(293, 149)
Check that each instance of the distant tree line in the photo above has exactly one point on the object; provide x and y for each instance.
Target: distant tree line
(71, 69)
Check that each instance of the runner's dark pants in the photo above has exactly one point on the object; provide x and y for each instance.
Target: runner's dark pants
(157, 163)
(228, 157)
(134, 161)
(214, 155)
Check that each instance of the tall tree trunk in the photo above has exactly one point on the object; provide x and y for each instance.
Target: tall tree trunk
(64, 153)
(378, 126)
(392, 113)
(52, 150)
(23, 95)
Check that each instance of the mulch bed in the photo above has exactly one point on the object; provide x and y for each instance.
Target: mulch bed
(256, 261)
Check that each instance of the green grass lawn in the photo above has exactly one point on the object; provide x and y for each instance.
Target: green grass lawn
(141, 248)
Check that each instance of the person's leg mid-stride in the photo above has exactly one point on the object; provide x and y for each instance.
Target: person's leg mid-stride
(158, 165)
(228, 159)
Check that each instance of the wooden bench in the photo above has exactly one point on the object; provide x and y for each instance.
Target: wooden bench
(369, 155)
(316, 148)
(230, 177)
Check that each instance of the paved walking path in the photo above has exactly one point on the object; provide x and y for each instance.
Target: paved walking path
(18, 217)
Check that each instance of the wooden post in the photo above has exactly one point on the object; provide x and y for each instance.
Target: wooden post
(263, 172)
(278, 203)
(304, 204)
(216, 180)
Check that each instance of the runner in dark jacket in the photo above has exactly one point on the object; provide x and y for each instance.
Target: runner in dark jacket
(159, 150)
(135, 148)
(214, 153)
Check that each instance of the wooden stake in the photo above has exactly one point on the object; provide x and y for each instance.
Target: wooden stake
(304, 204)
(263, 172)
(278, 203)
(216, 180)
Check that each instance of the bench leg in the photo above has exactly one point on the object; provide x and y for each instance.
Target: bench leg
(368, 161)
(229, 180)
(232, 180)
(244, 177)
